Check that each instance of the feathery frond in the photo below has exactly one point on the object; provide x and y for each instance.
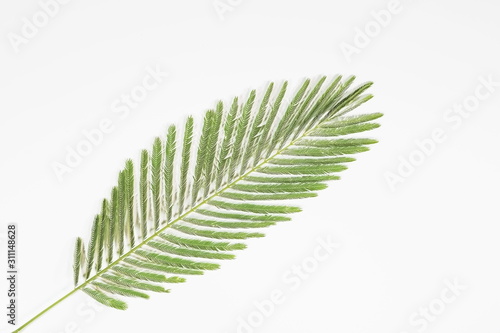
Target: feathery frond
(191, 209)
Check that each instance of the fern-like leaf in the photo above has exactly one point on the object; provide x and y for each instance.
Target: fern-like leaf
(190, 209)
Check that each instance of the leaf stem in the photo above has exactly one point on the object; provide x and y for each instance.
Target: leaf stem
(47, 309)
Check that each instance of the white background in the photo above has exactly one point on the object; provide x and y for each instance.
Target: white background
(398, 246)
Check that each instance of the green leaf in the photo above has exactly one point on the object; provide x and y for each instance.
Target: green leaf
(129, 202)
(216, 234)
(78, 259)
(132, 283)
(124, 291)
(93, 243)
(156, 181)
(139, 263)
(186, 155)
(170, 148)
(105, 299)
(112, 237)
(203, 244)
(227, 225)
(198, 195)
(141, 275)
(144, 192)
(163, 247)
